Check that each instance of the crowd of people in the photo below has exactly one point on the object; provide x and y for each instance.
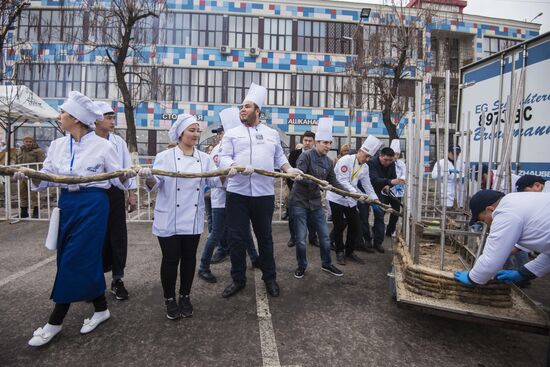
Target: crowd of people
(91, 243)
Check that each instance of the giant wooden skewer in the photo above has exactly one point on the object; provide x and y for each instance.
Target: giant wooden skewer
(9, 171)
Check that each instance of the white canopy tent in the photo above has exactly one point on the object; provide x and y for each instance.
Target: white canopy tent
(18, 105)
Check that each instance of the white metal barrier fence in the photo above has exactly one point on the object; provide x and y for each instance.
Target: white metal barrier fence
(15, 195)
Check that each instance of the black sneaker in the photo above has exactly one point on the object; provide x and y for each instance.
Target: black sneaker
(172, 309)
(186, 308)
(340, 258)
(333, 270)
(355, 258)
(256, 263)
(299, 273)
(314, 242)
(118, 289)
(290, 243)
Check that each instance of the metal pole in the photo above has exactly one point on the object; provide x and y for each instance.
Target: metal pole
(480, 161)
(445, 165)
(467, 174)
(491, 149)
(518, 152)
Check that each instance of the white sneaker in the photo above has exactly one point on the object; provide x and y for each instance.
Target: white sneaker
(42, 337)
(90, 324)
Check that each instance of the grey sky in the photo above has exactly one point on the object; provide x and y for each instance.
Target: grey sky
(508, 9)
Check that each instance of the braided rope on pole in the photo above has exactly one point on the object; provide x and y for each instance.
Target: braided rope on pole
(37, 175)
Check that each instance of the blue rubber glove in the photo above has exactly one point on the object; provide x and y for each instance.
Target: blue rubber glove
(462, 277)
(509, 276)
(376, 208)
(477, 227)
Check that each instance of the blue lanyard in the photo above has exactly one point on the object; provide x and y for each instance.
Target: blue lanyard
(72, 155)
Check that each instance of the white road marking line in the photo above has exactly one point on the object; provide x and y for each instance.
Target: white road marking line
(270, 355)
(26, 271)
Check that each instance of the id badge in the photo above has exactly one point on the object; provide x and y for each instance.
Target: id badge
(259, 138)
(74, 187)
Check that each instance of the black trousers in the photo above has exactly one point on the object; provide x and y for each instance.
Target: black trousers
(115, 248)
(240, 211)
(61, 309)
(178, 250)
(352, 220)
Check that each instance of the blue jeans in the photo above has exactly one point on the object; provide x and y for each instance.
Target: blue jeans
(300, 218)
(259, 211)
(364, 209)
(312, 235)
(217, 237)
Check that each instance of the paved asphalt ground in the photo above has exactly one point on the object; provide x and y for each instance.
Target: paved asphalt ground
(319, 320)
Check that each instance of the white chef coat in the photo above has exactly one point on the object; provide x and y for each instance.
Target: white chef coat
(179, 206)
(401, 172)
(259, 147)
(454, 181)
(217, 194)
(90, 156)
(349, 173)
(522, 218)
(124, 157)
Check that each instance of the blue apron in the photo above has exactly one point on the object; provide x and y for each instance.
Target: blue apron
(82, 226)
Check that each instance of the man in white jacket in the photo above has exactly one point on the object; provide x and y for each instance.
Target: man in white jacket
(453, 176)
(521, 218)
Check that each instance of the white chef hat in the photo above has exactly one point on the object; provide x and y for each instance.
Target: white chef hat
(371, 145)
(182, 123)
(257, 94)
(103, 107)
(324, 129)
(230, 118)
(396, 146)
(82, 108)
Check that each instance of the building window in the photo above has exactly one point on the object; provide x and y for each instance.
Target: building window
(189, 85)
(308, 90)
(371, 96)
(97, 81)
(311, 36)
(277, 34)
(492, 45)
(278, 88)
(238, 84)
(453, 55)
(336, 96)
(190, 29)
(50, 80)
(335, 41)
(50, 25)
(243, 31)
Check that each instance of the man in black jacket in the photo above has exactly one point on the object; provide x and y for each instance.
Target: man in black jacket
(308, 142)
(383, 177)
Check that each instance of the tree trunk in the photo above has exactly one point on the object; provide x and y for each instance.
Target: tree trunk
(131, 137)
(390, 126)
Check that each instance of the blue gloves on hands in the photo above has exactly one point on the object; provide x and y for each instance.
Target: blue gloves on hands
(509, 276)
(462, 277)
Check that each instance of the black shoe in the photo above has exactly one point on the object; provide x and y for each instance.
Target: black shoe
(35, 212)
(285, 216)
(290, 243)
(379, 248)
(218, 258)
(340, 258)
(231, 290)
(207, 276)
(118, 289)
(172, 309)
(24, 212)
(367, 247)
(272, 288)
(333, 270)
(355, 258)
(185, 306)
(299, 273)
(314, 242)
(256, 263)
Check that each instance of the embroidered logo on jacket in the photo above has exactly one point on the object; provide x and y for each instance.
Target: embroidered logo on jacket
(344, 169)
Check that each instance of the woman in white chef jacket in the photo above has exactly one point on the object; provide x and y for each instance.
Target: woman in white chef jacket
(179, 211)
(83, 221)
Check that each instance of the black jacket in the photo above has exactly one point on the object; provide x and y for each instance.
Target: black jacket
(380, 176)
(292, 160)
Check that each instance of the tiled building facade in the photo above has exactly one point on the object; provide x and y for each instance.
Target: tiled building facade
(299, 52)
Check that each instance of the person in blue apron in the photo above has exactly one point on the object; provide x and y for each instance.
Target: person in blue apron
(179, 211)
(115, 249)
(83, 221)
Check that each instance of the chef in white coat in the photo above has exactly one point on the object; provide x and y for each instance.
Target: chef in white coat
(350, 170)
(115, 249)
(521, 218)
(400, 169)
(454, 176)
(82, 222)
(179, 211)
(251, 197)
